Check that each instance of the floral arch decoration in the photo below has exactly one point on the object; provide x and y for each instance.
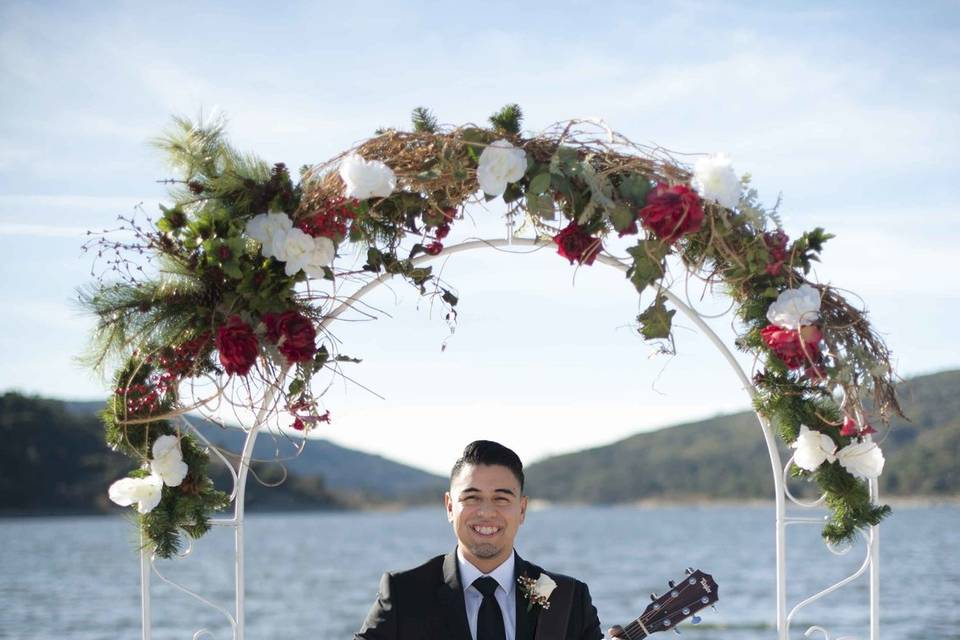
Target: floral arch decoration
(243, 274)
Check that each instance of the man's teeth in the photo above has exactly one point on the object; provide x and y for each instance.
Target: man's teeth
(486, 531)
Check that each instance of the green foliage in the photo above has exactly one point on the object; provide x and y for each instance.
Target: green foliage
(648, 265)
(849, 501)
(210, 270)
(132, 316)
(423, 120)
(808, 247)
(508, 119)
(539, 183)
(655, 321)
(633, 188)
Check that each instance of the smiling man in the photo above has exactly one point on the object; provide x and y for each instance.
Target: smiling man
(482, 590)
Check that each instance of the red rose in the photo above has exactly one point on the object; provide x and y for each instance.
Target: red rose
(796, 348)
(293, 333)
(433, 249)
(672, 212)
(237, 345)
(776, 243)
(573, 243)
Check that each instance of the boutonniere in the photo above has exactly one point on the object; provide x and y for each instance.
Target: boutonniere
(537, 592)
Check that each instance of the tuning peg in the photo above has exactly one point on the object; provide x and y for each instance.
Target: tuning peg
(653, 597)
(714, 607)
(696, 620)
(690, 571)
(676, 631)
(671, 583)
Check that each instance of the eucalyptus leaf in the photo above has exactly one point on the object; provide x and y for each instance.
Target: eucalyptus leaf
(539, 184)
(541, 206)
(564, 161)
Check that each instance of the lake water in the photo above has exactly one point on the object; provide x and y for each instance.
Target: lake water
(314, 575)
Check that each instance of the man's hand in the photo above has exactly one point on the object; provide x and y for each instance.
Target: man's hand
(616, 631)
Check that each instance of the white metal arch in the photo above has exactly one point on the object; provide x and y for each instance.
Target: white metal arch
(778, 467)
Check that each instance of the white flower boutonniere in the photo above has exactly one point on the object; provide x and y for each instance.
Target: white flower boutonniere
(537, 592)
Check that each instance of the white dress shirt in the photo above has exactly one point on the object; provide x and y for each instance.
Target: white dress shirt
(504, 594)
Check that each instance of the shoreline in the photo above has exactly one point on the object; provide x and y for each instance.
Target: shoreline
(535, 505)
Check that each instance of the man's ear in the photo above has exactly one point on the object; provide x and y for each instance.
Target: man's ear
(448, 503)
(523, 508)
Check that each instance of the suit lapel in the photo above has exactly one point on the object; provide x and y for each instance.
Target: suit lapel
(450, 597)
(526, 617)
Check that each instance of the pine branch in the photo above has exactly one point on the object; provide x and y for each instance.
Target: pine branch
(423, 120)
(508, 119)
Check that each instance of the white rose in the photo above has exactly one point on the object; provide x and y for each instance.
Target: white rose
(322, 256)
(500, 163)
(862, 458)
(715, 180)
(145, 492)
(813, 448)
(366, 178)
(303, 252)
(269, 229)
(795, 307)
(544, 586)
(298, 249)
(168, 461)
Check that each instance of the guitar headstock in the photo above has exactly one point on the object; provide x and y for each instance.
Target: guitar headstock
(684, 597)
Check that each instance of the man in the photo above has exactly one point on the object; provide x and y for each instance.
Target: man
(473, 593)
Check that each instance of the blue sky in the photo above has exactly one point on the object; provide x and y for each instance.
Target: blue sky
(849, 110)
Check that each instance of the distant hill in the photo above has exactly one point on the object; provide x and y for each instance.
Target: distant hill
(347, 471)
(726, 458)
(54, 460)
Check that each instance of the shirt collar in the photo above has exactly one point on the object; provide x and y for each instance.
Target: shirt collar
(502, 574)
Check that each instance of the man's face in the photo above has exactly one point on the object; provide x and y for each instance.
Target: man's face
(486, 509)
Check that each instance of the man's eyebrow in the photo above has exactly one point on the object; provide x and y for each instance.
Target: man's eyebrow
(476, 490)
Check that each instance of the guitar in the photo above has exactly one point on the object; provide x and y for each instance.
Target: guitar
(695, 591)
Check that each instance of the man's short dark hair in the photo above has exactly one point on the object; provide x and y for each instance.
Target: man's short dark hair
(489, 452)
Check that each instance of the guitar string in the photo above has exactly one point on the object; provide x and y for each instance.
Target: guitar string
(639, 623)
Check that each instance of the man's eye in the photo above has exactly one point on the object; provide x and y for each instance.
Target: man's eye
(503, 500)
(468, 499)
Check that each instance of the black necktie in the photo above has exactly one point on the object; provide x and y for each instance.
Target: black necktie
(490, 618)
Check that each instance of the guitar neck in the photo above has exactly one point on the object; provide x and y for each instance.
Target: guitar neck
(684, 598)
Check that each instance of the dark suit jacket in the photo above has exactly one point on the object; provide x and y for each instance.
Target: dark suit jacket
(426, 603)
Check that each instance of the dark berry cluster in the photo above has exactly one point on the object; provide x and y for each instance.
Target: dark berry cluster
(333, 220)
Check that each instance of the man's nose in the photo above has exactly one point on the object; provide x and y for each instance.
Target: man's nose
(486, 507)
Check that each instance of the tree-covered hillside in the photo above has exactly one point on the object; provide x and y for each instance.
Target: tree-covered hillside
(725, 457)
